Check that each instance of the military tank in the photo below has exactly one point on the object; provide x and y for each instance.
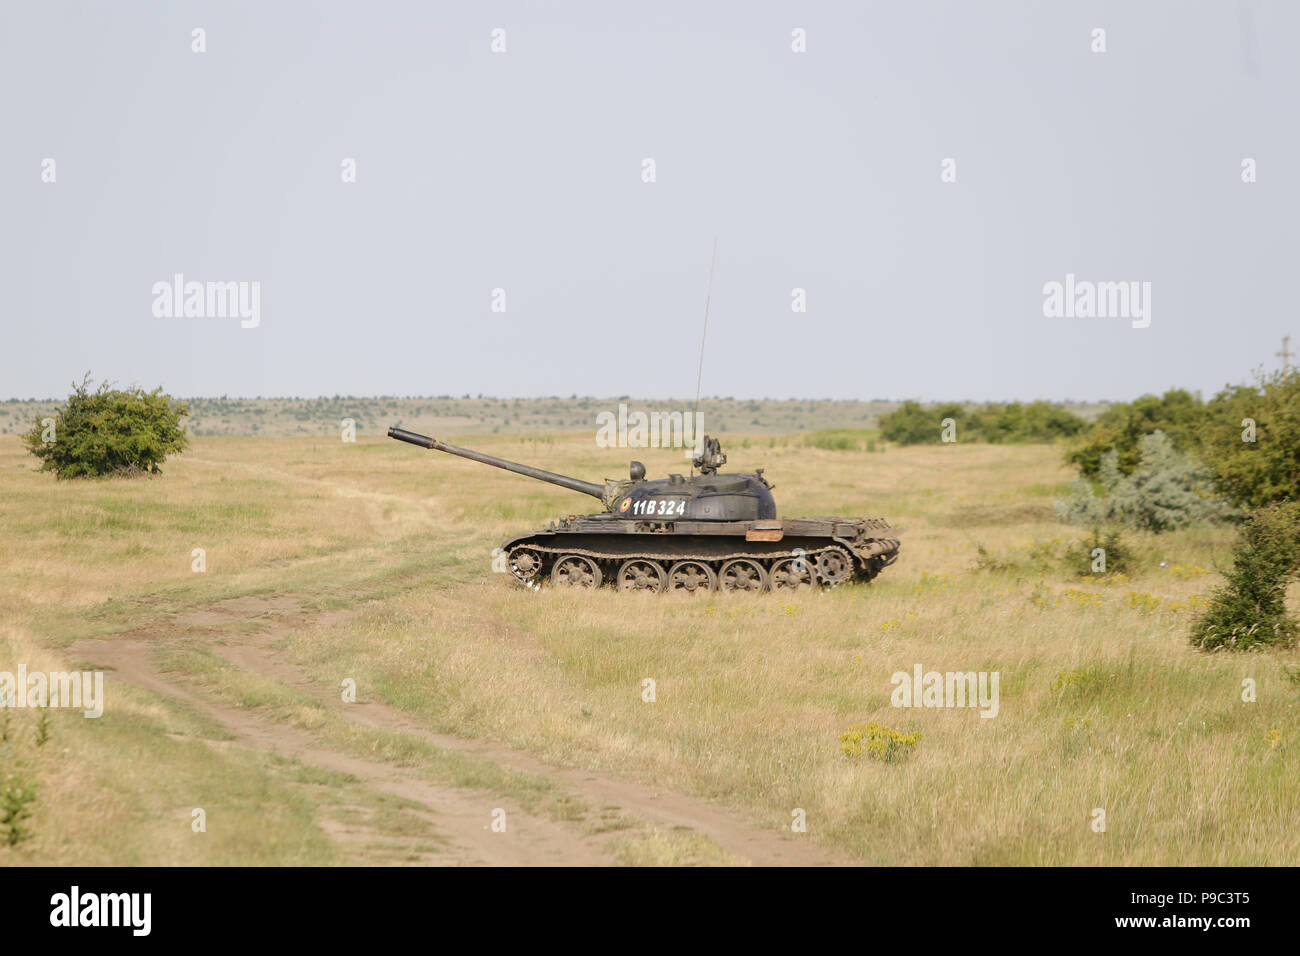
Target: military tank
(694, 535)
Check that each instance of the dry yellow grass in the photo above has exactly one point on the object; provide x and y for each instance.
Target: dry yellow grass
(752, 694)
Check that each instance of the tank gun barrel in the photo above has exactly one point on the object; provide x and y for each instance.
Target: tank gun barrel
(573, 484)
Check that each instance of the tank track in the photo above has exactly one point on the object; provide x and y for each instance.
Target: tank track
(826, 566)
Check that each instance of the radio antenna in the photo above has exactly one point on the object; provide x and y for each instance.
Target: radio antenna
(699, 377)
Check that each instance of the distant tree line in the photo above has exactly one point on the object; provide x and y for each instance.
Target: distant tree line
(1012, 424)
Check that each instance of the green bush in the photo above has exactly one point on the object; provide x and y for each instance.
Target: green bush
(914, 424)
(1118, 555)
(1120, 429)
(109, 432)
(1015, 423)
(1266, 470)
(1167, 490)
(17, 796)
(1082, 505)
(1249, 611)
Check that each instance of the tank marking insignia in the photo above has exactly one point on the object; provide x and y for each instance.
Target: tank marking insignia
(660, 506)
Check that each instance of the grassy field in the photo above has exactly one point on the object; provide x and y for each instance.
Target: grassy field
(1103, 705)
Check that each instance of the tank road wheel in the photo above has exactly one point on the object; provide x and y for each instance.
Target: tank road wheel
(691, 577)
(791, 574)
(525, 563)
(641, 574)
(833, 566)
(742, 574)
(573, 570)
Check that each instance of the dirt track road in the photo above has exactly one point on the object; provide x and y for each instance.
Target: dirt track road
(460, 815)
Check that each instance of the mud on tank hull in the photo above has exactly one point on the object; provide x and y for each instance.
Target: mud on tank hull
(696, 557)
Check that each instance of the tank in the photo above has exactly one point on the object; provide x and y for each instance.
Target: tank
(686, 534)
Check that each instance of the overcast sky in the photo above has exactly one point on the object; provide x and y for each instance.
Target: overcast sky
(524, 171)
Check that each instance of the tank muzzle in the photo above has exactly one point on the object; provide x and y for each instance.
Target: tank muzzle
(401, 434)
